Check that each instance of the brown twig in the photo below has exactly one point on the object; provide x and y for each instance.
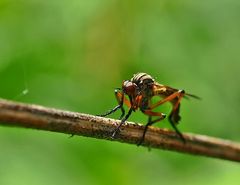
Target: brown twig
(42, 118)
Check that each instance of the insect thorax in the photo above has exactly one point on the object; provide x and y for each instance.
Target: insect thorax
(144, 81)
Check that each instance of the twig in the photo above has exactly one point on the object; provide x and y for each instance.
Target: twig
(42, 118)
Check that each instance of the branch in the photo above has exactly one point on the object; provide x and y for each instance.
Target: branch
(43, 118)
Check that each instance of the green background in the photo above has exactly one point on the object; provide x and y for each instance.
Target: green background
(72, 54)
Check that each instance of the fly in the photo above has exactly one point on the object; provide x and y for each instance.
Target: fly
(140, 89)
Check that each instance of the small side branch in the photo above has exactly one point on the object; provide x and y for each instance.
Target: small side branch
(43, 118)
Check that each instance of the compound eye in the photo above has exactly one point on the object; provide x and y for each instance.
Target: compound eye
(129, 87)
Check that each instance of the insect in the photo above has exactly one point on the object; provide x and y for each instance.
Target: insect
(138, 92)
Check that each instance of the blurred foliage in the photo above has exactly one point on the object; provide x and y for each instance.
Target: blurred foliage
(72, 54)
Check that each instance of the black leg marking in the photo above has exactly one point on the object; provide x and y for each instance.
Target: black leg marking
(150, 122)
(123, 113)
(145, 130)
(110, 111)
(122, 122)
(177, 131)
(120, 105)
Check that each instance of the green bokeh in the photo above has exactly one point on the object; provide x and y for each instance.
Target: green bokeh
(72, 54)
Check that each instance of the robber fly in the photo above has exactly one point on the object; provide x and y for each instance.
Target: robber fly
(140, 89)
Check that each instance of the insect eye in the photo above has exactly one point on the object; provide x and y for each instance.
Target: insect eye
(129, 87)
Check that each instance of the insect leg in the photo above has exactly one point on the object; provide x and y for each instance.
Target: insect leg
(178, 132)
(121, 123)
(145, 130)
(120, 98)
(150, 122)
(174, 95)
(110, 111)
(174, 117)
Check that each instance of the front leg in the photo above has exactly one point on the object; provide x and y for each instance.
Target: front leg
(120, 99)
(110, 111)
(122, 122)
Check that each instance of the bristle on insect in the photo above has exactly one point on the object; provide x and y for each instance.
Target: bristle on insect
(192, 96)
